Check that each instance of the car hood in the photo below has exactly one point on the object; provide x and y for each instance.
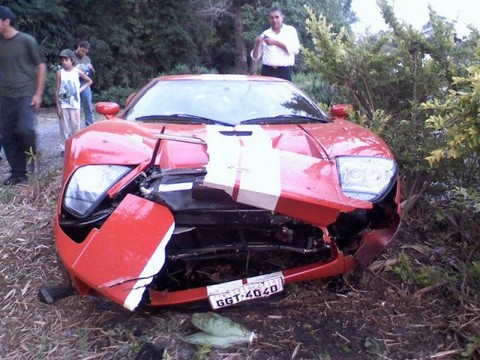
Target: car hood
(122, 142)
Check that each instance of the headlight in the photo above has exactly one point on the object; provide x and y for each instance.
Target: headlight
(366, 178)
(88, 186)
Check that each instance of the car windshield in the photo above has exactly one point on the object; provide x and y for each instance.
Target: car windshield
(224, 102)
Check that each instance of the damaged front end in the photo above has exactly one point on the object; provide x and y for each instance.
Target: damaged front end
(147, 236)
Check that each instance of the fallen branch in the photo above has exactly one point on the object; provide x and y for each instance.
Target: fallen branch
(381, 264)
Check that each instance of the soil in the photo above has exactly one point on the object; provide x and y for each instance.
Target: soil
(371, 314)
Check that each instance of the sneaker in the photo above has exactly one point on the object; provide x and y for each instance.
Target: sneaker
(14, 180)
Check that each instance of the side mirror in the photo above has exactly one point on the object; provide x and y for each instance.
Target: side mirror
(108, 109)
(341, 110)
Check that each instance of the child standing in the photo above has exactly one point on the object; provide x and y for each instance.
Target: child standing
(67, 94)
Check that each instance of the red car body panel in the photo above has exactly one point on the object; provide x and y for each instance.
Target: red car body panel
(297, 183)
(121, 271)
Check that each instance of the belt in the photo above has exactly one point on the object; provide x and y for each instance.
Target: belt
(276, 67)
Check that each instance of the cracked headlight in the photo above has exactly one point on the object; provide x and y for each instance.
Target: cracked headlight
(89, 185)
(366, 178)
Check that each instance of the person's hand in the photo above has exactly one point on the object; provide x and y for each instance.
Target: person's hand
(36, 101)
(259, 40)
(59, 112)
(269, 41)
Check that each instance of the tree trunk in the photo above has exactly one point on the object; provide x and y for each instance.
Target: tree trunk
(240, 47)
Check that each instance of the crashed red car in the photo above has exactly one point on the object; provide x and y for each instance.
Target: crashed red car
(220, 188)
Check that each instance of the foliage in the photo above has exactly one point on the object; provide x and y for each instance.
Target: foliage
(49, 94)
(473, 275)
(180, 69)
(319, 90)
(423, 276)
(466, 199)
(119, 94)
(456, 119)
(46, 20)
(116, 94)
(455, 123)
(388, 76)
(377, 77)
(129, 48)
(398, 79)
(472, 347)
(135, 48)
(457, 209)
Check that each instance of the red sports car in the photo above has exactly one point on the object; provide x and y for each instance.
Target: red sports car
(220, 188)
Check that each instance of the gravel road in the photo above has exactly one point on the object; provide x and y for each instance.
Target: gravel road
(49, 140)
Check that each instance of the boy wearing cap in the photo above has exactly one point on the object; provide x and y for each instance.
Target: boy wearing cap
(23, 81)
(67, 94)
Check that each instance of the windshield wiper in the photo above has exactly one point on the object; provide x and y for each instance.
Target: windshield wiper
(285, 119)
(182, 118)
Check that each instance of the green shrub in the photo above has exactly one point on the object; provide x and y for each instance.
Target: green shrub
(49, 94)
(422, 276)
(181, 69)
(116, 94)
(318, 89)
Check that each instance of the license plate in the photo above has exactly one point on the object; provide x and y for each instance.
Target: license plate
(234, 292)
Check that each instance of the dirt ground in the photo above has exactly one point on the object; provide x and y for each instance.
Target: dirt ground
(372, 314)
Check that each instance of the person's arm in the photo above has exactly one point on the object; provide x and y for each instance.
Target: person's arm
(41, 76)
(276, 43)
(90, 65)
(256, 52)
(86, 81)
(57, 93)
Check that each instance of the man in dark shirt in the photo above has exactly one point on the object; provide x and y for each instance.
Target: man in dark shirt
(21, 89)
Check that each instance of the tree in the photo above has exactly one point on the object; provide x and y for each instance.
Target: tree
(389, 73)
(135, 40)
(134, 46)
(46, 21)
(226, 16)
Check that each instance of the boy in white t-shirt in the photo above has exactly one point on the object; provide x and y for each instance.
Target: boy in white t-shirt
(67, 94)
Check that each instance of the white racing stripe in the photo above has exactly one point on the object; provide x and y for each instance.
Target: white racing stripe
(250, 160)
(260, 179)
(153, 266)
(224, 153)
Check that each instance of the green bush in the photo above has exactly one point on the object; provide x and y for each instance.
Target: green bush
(181, 69)
(319, 90)
(115, 93)
(49, 94)
(422, 276)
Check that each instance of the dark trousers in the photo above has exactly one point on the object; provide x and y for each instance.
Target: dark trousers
(18, 120)
(283, 72)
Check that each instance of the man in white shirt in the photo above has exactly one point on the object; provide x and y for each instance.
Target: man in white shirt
(277, 47)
